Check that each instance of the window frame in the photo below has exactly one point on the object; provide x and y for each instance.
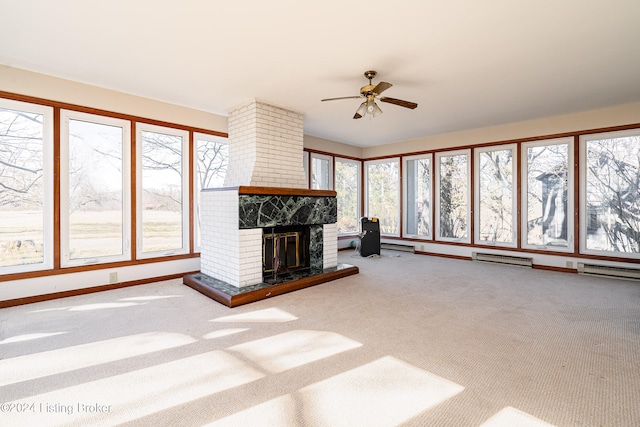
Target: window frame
(186, 216)
(65, 117)
(583, 140)
(329, 160)
(467, 152)
(47, 113)
(399, 191)
(477, 152)
(405, 196)
(570, 194)
(358, 163)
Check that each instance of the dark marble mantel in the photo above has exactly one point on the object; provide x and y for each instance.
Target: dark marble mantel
(262, 207)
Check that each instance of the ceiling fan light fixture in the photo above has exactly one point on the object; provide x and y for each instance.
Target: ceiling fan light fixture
(376, 110)
(362, 109)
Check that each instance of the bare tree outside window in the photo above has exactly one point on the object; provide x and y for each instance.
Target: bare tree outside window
(419, 197)
(21, 188)
(613, 194)
(95, 190)
(162, 159)
(495, 198)
(453, 194)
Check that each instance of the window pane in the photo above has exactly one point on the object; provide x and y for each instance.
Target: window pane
(212, 159)
(419, 197)
(347, 187)
(320, 173)
(96, 211)
(613, 194)
(453, 196)
(161, 191)
(22, 189)
(495, 196)
(383, 195)
(547, 195)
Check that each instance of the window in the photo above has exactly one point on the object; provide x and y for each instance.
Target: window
(495, 196)
(453, 171)
(547, 186)
(610, 194)
(321, 172)
(163, 191)
(94, 189)
(305, 165)
(382, 178)
(348, 197)
(26, 187)
(417, 193)
(211, 160)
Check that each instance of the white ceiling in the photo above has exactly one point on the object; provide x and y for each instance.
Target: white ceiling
(467, 63)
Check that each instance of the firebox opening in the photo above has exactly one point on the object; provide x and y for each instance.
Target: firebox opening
(284, 249)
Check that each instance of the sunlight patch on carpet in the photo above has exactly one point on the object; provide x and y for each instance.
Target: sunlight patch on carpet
(103, 305)
(291, 349)
(223, 333)
(281, 411)
(29, 337)
(150, 297)
(384, 392)
(509, 416)
(274, 315)
(127, 397)
(37, 365)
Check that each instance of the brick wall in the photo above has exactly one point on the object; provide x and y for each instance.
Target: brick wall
(266, 146)
(265, 150)
(228, 253)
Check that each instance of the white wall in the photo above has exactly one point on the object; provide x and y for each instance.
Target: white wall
(609, 117)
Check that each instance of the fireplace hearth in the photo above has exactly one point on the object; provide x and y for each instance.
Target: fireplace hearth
(265, 224)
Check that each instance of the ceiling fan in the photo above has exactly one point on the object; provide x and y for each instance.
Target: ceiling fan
(370, 93)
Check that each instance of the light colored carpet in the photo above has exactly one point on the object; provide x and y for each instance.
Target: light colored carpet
(411, 340)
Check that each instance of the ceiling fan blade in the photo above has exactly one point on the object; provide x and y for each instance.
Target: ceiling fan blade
(400, 102)
(381, 87)
(342, 97)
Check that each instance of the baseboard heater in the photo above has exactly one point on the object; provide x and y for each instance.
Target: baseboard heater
(503, 259)
(398, 247)
(609, 271)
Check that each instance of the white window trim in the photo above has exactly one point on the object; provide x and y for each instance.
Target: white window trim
(366, 189)
(197, 136)
(570, 199)
(329, 160)
(186, 217)
(359, 195)
(405, 196)
(583, 191)
(65, 116)
(514, 201)
(439, 155)
(47, 186)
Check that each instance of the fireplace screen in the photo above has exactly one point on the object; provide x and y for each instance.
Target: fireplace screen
(283, 251)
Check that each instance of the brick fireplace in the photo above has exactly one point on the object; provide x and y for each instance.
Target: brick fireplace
(264, 206)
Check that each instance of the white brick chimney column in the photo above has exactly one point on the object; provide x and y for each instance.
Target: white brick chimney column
(265, 146)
